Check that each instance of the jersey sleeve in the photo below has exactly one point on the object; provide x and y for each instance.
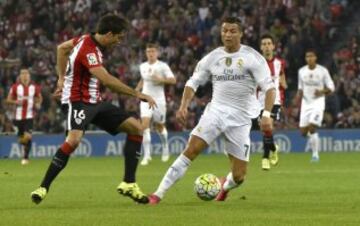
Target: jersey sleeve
(75, 40)
(300, 81)
(329, 83)
(13, 91)
(261, 72)
(90, 58)
(37, 90)
(167, 71)
(201, 74)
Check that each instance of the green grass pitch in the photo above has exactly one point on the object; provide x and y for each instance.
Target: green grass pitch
(295, 192)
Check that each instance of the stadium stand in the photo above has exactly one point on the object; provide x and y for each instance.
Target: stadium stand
(185, 30)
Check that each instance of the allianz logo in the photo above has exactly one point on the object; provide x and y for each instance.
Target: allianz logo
(84, 149)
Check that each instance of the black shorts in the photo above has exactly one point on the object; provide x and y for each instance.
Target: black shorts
(275, 114)
(104, 115)
(23, 126)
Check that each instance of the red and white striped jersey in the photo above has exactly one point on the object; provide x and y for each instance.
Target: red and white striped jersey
(277, 67)
(27, 95)
(79, 84)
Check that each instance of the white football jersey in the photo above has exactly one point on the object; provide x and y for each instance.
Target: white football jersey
(151, 88)
(235, 77)
(311, 80)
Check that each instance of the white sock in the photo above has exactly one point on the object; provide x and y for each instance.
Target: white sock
(315, 143)
(230, 183)
(173, 174)
(164, 141)
(147, 143)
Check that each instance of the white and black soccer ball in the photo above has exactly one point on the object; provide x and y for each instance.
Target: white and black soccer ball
(207, 186)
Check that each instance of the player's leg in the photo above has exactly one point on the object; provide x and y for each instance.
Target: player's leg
(26, 141)
(179, 167)
(132, 153)
(146, 115)
(57, 164)
(314, 142)
(274, 150)
(163, 134)
(203, 134)
(234, 178)
(237, 145)
(145, 121)
(159, 118)
(114, 120)
(78, 117)
(269, 145)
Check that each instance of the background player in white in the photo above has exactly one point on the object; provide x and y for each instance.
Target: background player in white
(155, 74)
(277, 69)
(235, 71)
(313, 84)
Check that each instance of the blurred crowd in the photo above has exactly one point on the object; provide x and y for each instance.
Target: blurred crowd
(185, 30)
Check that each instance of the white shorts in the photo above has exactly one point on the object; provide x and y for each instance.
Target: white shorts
(157, 115)
(237, 138)
(311, 116)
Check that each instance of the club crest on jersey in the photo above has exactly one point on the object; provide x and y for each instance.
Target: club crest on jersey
(92, 60)
(240, 63)
(78, 121)
(228, 61)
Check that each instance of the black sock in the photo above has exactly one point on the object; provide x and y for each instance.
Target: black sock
(58, 163)
(132, 153)
(27, 148)
(268, 142)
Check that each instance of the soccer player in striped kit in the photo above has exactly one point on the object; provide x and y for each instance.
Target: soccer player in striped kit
(277, 69)
(26, 96)
(80, 71)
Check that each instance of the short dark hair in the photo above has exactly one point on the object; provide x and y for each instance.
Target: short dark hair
(152, 45)
(233, 20)
(267, 36)
(311, 50)
(112, 23)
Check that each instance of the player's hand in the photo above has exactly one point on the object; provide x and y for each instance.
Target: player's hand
(266, 124)
(181, 116)
(58, 90)
(148, 99)
(157, 79)
(318, 93)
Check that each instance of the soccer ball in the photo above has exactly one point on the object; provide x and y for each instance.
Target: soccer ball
(207, 186)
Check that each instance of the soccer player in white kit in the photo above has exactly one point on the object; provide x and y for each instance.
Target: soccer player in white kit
(277, 69)
(313, 84)
(235, 71)
(155, 74)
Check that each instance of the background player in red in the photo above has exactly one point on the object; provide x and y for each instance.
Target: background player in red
(277, 68)
(26, 96)
(80, 71)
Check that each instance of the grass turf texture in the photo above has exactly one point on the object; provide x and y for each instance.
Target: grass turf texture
(296, 192)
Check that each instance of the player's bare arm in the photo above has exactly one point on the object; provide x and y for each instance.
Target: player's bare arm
(62, 55)
(38, 100)
(12, 101)
(166, 81)
(282, 81)
(117, 86)
(181, 114)
(140, 85)
(266, 120)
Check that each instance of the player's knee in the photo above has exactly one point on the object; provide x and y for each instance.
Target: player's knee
(304, 132)
(74, 142)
